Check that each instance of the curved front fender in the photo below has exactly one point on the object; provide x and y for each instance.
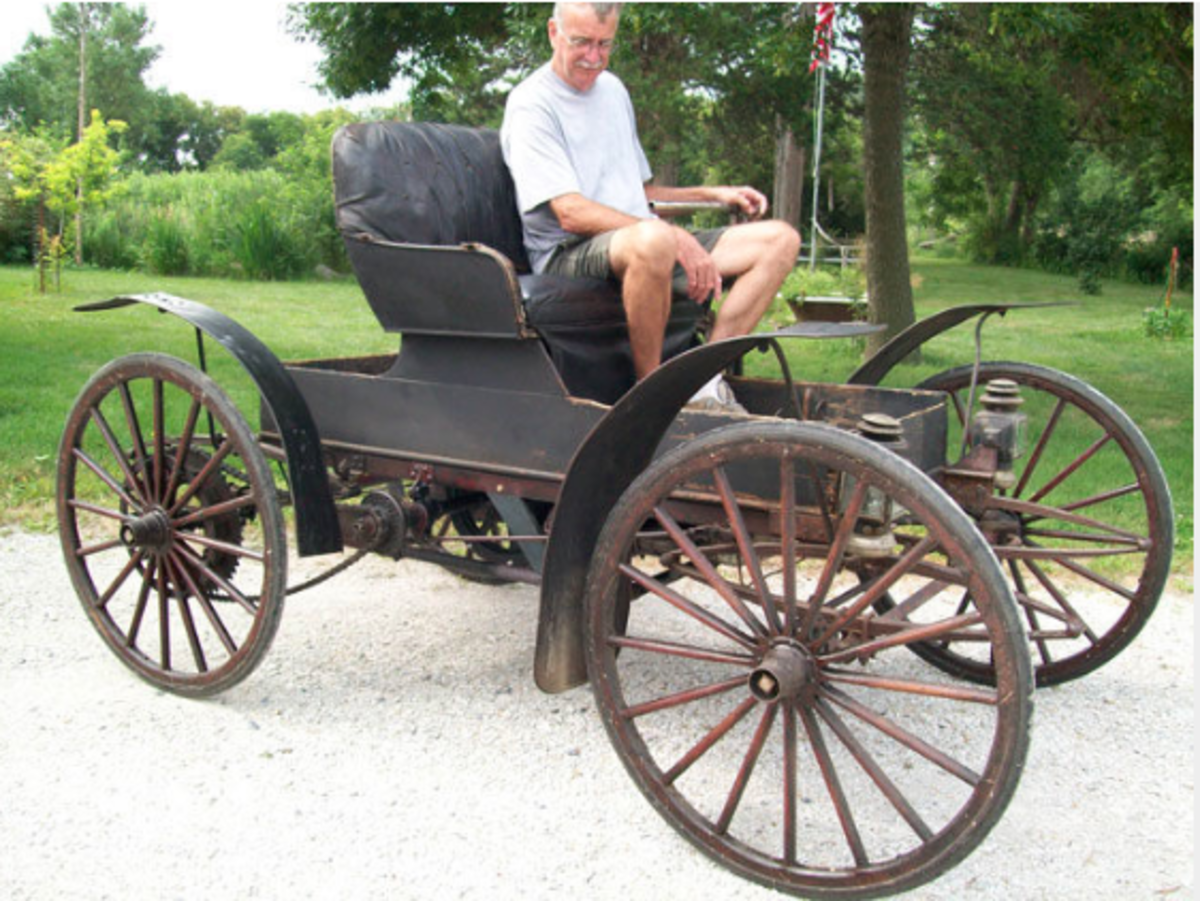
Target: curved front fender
(317, 530)
(887, 357)
(620, 446)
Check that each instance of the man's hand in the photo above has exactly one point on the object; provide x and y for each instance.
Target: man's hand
(704, 280)
(752, 203)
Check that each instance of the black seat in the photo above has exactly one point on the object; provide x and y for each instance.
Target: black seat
(430, 221)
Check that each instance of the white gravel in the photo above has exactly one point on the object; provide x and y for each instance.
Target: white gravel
(393, 745)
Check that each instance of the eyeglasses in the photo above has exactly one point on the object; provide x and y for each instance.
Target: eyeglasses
(580, 43)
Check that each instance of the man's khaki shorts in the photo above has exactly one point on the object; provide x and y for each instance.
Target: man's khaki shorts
(588, 257)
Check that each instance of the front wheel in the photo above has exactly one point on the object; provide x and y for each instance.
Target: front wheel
(170, 525)
(754, 692)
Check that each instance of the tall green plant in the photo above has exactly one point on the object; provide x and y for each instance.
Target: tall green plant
(265, 246)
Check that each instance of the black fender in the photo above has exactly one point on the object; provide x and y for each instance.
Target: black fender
(618, 449)
(317, 530)
(873, 371)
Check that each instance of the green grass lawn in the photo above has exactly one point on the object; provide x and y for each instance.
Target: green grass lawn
(47, 352)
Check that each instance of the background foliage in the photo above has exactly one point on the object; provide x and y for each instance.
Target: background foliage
(1037, 135)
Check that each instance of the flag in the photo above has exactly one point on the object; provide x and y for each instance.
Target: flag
(822, 35)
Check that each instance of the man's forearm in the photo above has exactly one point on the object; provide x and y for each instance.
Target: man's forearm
(696, 194)
(751, 202)
(580, 216)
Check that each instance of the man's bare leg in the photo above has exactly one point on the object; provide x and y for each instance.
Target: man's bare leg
(643, 258)
(760, 255)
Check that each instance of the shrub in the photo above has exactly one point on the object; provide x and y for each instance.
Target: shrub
(106, 244)
(1164, 323)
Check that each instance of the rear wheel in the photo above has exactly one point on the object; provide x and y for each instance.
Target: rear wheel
(1085, 533)
(170, 525)
(757, 697)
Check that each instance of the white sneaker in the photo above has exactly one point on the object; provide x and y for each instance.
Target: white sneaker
(716, 397)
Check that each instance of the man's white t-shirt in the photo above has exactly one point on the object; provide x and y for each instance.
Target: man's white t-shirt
(557, 140)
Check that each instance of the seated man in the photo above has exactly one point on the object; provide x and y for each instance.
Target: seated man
(582, 182)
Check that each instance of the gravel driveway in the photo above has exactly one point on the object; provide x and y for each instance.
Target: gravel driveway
(393, 745)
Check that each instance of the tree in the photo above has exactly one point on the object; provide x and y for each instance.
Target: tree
(710, 81)
(64, 179)
(41, 84)
(26, 161)
(1010, 97)
(886, 30)
(367, 45)
(93, 59)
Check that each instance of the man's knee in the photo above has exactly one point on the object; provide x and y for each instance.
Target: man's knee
(648, 246)
(783, 240)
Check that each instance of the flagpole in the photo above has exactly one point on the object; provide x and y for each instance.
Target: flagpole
(816, 192)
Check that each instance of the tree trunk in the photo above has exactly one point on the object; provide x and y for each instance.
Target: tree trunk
(790, 159)
(1031, 204)
(41, 243)
(666, 173)
(885, 44)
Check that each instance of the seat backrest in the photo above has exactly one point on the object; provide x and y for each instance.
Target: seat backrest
(426, 183)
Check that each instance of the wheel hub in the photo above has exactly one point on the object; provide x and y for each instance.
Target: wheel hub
(1001, 527)
(786, 672)
(151, 531)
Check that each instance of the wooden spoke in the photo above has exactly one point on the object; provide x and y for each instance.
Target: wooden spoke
(837, 550)
(224, 547)
(875, 771)
(878, 588)
(903, 736)
(1071, 468)
(138, 441)
(675, 599)
(834, 787)
(1035, 455)
(181, 567)
(106, 478)
(222, 509)
(132, 564)
(745, 543)
(705, 744)
(212, 575)
(912, 686)
(149, 579)
(674, 649)
(683, 697)
(916, 633)
(748, 764)
(198, 481)
(707, 570)
(119, 456)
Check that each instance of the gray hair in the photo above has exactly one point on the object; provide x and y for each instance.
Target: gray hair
(602, 10)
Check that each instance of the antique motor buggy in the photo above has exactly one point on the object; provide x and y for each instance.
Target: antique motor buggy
(812, 629)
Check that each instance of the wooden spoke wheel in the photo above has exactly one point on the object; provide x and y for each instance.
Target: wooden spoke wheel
(757, 696)
(171, 525)
(1084, 534)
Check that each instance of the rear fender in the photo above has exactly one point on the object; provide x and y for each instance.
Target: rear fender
(317, 530)
(616, 451)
